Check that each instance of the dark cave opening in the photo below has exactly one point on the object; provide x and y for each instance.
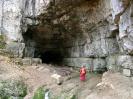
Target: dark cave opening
(42, 46)
(51, 57)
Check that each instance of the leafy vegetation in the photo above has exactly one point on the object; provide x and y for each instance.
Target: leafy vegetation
(2, 42)
(12, 88)
(39, 94)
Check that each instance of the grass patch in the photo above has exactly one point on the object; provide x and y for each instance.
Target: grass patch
(2, 42)
(39, 94)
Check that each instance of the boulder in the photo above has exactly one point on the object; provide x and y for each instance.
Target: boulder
(113, 86)
(57, 79)
(27, 61)
(127, 72)
(36, 61)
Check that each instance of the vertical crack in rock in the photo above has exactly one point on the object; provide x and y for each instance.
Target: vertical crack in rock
(2, 15)
(33, 7)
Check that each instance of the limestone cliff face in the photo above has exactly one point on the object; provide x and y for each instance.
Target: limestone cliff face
(95, 32)
(15, 15)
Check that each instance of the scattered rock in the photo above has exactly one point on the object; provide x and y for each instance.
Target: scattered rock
(31, 61)
(127, 72)
(57, 78)
(41, 68)
(36, 61)
(27, 61)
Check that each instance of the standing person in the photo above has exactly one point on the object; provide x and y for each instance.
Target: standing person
(83, 73)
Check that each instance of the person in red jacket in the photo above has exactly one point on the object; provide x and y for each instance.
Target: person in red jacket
(83, 73)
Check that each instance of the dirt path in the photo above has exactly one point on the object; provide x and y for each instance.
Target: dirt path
(36, 76)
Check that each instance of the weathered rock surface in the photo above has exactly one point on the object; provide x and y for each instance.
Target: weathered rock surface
(113, 86)
(127, 72)
(82, 31)
(27, 61)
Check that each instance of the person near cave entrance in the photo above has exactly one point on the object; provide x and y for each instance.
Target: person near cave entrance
(83, 73)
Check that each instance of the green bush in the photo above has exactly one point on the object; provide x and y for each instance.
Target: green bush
(39, 94)
(12, 88)
(2, 42)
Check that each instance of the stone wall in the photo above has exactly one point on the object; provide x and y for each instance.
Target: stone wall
(92, 32)
(92, 37)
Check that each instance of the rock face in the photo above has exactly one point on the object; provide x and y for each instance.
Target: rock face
(92, 32)
(113, 86)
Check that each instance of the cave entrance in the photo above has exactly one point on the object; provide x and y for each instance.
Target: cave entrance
(53, 57)
(43, 44)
